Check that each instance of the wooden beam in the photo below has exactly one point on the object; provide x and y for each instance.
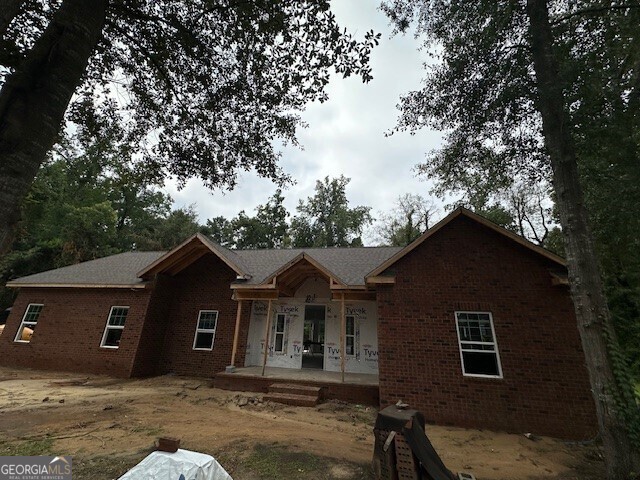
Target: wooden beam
(236, 334)
(376, 280)
(343, 334)
(244, 286)
(255, 294)
(559, 279)
(266, 337)
(187, 260)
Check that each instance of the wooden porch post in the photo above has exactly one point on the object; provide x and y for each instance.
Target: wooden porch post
(343, 334)
(236, 334)
(266, 337)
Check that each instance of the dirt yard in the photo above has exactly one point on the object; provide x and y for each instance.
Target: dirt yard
(108, 425)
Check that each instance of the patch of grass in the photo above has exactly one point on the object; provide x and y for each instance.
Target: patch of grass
(27, 448)
(106, 467)
(276, 462)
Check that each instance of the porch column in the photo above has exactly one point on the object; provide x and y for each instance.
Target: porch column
(343, 335)
(236, 334)
(266, 337)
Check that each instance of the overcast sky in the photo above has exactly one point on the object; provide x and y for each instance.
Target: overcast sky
(346, 134)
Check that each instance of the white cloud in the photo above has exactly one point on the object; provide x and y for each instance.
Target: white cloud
(346, 134)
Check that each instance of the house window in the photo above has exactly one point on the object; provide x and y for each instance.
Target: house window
(478, 347)
(29, 322)
(278, 339)
(114, 328)
(350, 337)
(205, 330)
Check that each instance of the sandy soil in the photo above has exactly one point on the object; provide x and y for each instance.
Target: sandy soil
(97, 416)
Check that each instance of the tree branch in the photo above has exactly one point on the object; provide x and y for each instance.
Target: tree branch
(591, 11)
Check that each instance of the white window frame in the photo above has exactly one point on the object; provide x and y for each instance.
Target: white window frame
(28, 323)
(494, 343)
(112, 327)
(347, 335)
(206, 330)
(282, 332)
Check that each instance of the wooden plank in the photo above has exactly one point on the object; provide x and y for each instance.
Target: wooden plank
(256, 295)
(78, 285)
(343, 333)
(377, 280)
(236, 334)
(266, 337)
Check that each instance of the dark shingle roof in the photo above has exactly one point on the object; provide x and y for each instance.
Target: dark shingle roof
(116, 270)
(350, 265)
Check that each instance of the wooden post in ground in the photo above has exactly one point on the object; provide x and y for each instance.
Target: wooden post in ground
(267, 329)
(343, 328)
(236, 334)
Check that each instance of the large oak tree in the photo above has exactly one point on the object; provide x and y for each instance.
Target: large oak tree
(519, 85)
(203, 87)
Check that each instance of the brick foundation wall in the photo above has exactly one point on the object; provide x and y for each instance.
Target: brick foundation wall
(204, 285)
(347, 392)
(70, 329)
(466, 266)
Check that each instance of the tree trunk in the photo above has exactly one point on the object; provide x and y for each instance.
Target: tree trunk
(8, 10)
(592, 312)
(34, 98)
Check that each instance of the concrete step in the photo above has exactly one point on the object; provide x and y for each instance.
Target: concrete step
(295, 389)
(292, 399)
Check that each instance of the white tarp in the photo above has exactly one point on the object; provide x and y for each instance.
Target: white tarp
(181, 465)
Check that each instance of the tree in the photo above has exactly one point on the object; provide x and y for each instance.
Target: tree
(410, 218)
(179, 225)
(268, 229)
(516, 89)
(202, 88)
(325, 220)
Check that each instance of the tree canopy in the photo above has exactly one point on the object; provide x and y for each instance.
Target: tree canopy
(326, 220)
(534, 92)
(201, 88)
(411, 217)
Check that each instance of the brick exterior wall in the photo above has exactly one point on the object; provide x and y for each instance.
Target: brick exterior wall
(204, 285)
(466, 266)
(70, 329)
(151, 341)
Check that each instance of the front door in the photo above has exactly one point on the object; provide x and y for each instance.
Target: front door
(313, 342)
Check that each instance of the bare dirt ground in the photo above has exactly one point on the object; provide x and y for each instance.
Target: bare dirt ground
(108, 425)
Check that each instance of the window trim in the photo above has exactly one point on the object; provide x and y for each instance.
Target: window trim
(494, 343)
(23, 323)
(205, 330)
(108, 327)
(353, 335)
(282, 332)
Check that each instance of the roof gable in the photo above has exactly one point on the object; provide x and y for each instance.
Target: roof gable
(190, 251)
(460, 211)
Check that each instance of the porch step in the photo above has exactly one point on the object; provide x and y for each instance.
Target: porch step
(294, 389)
(294, 394)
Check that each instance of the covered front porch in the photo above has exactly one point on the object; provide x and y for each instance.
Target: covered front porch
(307, 325)
(354, 388)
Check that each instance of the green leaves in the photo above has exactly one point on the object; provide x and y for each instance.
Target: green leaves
(325, 220)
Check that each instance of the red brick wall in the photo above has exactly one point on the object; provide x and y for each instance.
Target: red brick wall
(466, 266)
(70, 329)
(151, 341)
(205, 285)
